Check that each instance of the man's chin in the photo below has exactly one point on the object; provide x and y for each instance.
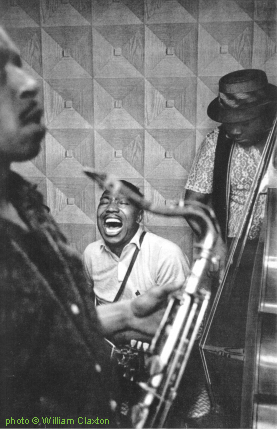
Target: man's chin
(31, 147)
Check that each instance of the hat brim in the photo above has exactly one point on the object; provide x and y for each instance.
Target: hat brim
(228, 115)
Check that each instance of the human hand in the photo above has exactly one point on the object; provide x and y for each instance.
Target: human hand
(218, 260)
(147, 310)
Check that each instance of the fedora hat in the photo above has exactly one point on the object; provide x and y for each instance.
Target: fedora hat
(243, 95)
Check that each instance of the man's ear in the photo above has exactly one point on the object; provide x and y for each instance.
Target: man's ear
(139, 216)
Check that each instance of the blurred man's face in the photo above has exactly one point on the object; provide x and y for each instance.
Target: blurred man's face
(246, 133)
(117, 219)
(21, 123)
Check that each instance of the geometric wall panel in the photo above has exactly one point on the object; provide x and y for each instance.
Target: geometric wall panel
(224, 46)
(119, 51)
(265, 35)
(170, 102)
(80, 236)
(106, 12)
(123, 158)
(125, 87)
(225, 10)
(265, 10)
(68, 103)
(170, 50)
(127, 144)
(28, 40)
(65, 12)
(19, 13)
(171, 11)
(67, 52)
(207, 90)
(119, 103)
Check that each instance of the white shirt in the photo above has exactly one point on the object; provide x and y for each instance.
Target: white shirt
(159, 262)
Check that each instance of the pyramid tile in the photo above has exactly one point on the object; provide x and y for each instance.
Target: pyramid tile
(68, 167)
(27, 169)
(57, 113)
(179, 143)
(159, 192)
(78, 192)
(210, 60)
(129, 93)
(104, 152)
(16, 16)
(67, 52)
(224, 10)
(79, 141)
(226, 32)
(207, 90)
(157, 164)
(32, 8)
(265, 10)
(181, 91)
(105, 12)
(79, 92)
(265, 58)
(128, 40)
(64, 13)
(182, 39)
(130, 142)
(71, 214)
(118, 119)
(55, 153)
(79, 236)
(28, 40)
(128, 164)
(170, 11)
(106, 64)
(69, 118)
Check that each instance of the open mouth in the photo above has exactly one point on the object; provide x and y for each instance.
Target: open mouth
(112, 226)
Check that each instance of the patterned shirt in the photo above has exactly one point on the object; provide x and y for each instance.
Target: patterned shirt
(244, 165)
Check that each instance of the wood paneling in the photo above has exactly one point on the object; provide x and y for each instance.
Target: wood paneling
(125, 86)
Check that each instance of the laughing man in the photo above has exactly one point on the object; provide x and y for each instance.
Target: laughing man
(159, 261)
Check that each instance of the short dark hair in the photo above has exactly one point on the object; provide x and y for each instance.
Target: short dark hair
(132, 187)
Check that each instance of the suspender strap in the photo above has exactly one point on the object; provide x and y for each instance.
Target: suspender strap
(135, 254)
(220, 180)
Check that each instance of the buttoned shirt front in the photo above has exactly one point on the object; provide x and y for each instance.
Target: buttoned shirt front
(159, 262)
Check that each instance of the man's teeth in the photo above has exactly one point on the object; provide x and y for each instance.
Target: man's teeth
(113, 223)
(113, 226)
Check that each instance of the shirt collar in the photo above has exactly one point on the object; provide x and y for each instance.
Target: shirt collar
(134, 240)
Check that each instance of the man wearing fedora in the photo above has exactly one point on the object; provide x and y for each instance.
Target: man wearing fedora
(228, 157)
(222, 176)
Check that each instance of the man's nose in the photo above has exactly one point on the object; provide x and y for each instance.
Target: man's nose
(234, 131)
(112, 207)
(29, 87)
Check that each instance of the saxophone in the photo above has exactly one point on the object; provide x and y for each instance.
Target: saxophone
(172, 344)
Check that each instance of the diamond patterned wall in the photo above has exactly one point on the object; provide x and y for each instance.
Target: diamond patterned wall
(125, 86)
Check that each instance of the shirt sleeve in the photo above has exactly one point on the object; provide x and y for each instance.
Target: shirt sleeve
(201, 174)
(173, 266)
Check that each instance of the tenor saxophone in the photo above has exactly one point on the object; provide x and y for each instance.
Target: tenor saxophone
(173, 342)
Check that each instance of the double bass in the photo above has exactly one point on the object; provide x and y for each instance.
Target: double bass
(239, 342)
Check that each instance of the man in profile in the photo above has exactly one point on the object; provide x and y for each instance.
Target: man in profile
(52, 352)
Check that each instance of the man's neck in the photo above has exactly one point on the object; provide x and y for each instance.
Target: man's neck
(118, 247)
(7, 210)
